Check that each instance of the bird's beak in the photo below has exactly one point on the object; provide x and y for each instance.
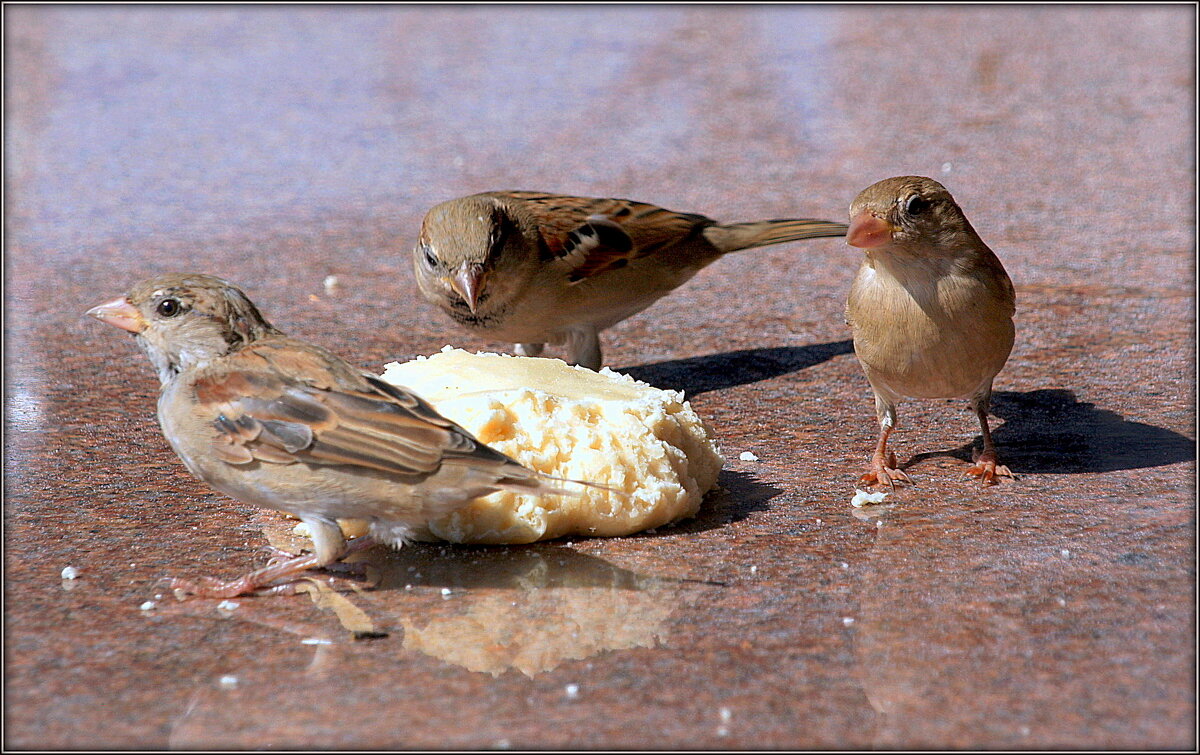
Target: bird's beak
(121, 313)
(466, 282)
(868, 231)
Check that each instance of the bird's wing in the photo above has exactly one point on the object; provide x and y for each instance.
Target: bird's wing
(290, 404)
(588, 236)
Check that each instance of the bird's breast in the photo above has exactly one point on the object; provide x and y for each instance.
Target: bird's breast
(933, 337)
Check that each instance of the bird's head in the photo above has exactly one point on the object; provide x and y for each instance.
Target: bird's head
(460, 249)
(908, 215)
(185, 319)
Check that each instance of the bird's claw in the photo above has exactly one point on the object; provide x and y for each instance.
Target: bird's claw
(209, 587)
(987, 470)
(884, 471)
(361, 574)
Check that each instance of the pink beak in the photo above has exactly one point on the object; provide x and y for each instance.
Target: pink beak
(868, 232)
(121, 313)
(466, 282)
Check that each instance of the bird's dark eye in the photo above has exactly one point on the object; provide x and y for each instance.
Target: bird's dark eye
(431, 259)
(169, 307)
(916, 204)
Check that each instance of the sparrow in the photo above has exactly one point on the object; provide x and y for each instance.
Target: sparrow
(534, 268)
(287, 425)
(931, 310)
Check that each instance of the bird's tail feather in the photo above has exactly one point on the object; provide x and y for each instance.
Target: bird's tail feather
(734, 236)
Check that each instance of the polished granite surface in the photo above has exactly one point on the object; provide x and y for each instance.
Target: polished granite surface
(278, 146)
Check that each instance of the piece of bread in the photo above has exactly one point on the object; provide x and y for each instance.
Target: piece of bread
(569, 422)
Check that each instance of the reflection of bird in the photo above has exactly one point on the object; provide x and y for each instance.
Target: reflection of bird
(287, 425)
(931, 309)
(535, 268)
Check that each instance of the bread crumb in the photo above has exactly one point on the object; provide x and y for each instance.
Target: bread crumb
(149, 605)
(70, 572)
(228, 681)
(862, 498)
(747, 456)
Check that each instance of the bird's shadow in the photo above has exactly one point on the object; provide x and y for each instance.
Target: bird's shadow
(1050, 431)
(714, 372)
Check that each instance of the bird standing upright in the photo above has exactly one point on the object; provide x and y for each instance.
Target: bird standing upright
(931, 310)
(287, 425)
(533, 268)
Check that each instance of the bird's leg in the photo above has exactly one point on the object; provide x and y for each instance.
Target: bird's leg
(529, 349)
(883, 463)
(583, 345)
(986, 467)
(329, 546)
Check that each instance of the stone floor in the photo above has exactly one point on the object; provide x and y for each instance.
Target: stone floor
(277, 146)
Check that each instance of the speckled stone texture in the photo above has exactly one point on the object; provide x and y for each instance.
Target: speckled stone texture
(277, 146)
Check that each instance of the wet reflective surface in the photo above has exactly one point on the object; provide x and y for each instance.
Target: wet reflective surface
(276, 147)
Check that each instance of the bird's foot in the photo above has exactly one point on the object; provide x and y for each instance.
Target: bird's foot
(211, 587)
(884, 471)
(988, 470)
(276, 556)
(282, 575)
(280, 570)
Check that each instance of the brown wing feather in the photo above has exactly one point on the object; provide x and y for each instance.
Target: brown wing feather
(590, 235)
(336, 415)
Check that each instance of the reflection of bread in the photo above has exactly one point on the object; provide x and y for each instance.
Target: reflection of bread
(545, 629)
(574, 423)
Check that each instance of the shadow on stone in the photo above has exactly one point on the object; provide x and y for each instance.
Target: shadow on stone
(740, 494)
(714, 372)
(1049, 431)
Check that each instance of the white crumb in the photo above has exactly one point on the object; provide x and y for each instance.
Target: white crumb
(70, 572)
(726, 714)
(847, 620)
(445, 592)
(862, 498)
(227, 605)
(149, 605)
(747, 456)
(754, 569)
(572, 691)
(228, 681)
(315, 641)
